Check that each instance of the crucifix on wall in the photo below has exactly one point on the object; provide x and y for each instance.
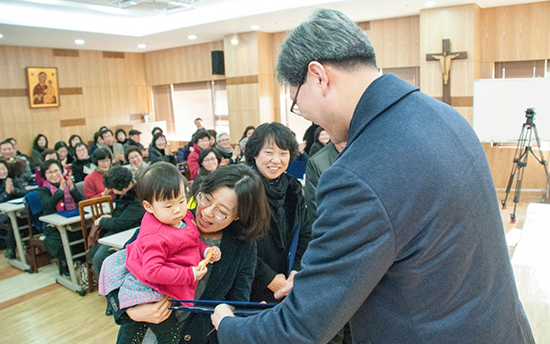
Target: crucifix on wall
(445, 59)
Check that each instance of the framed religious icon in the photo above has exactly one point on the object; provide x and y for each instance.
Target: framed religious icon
(43, 87)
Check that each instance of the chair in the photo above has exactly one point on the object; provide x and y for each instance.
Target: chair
(184, 169)
(95, 206)
(297, 169)
(80, 187)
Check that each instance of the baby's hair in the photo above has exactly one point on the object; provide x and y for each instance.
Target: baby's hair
(160, 182)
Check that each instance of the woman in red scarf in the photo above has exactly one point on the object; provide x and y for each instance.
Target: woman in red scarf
(58, 194)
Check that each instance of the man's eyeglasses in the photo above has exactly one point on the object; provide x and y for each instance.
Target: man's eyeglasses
(205, 201)
(294, 108)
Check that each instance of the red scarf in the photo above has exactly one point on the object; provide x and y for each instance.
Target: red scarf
(67, 203)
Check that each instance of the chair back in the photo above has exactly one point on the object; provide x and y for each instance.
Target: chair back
(34, 210)
(80, 187)
(297, 169)
(184, 169)
(96, 208)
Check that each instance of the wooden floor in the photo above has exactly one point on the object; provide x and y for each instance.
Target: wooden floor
(34, 309)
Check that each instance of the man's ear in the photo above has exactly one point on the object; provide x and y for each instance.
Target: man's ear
(147, 206)
(319, 74)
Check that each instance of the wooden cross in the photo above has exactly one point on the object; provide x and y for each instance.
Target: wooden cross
(445, 59)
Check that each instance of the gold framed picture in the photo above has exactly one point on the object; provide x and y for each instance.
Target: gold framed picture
(43, 87)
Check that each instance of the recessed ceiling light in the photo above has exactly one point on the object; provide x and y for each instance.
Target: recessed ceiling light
(142, 46)
(255, 27)
(1, 35)
(79, 41)
(234, 40)
(192, 37)
(430, 3)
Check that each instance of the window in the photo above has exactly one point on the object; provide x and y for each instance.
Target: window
(180, 104)
(520, 69)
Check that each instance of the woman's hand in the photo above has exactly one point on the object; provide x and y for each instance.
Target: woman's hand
(236, 152)
(62, 184)
(278, 282)
(9, 186)
(216, 254)
(106, 192)
(155, 312)
(221, 311)
(70, 183)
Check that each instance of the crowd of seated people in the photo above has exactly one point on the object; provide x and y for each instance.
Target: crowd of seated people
(115, 161)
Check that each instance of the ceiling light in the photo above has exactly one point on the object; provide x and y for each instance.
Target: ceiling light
(142, 46)
(234, 40)
(79, 41)
(192, 37)
(255, 27)
(430, 3)
(1, 35)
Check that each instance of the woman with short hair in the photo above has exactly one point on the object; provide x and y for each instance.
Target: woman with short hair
(93, 183)
(82, 165)
(135, 160)
(39, 143)
(160, 150)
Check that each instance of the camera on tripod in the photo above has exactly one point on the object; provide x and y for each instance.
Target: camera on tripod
(530, 113)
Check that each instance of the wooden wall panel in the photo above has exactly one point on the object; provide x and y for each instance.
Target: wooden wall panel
(396, 41)
(241, 59)
(516, 33)
(181, 65)
(101, 90)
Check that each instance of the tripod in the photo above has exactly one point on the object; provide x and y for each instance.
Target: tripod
(520, 160)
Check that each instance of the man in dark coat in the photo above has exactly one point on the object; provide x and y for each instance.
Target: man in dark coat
(409, 245)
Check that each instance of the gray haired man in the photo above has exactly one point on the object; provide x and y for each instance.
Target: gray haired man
(409, 245)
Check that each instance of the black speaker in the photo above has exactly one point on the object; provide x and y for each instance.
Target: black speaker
(218, 66)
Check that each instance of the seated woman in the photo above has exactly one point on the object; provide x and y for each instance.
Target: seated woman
(82, 165)
(229, 154)
(231, 213)
(73, 141)
(38, 145)
(160, 150)
(209, 161)
(63, 153)
(93, 183)
(121, 137)
(47, 154)
(201, 140)
(98, 142)
(248, 131)
(57, 195)
(320, 140)
(127, 214)
(10, 188)
(268, 151)
(135, 159)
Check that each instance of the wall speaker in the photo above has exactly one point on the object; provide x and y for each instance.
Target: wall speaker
(218, 67)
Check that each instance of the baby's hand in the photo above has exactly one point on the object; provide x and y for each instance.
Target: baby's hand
(216, 253)
(199, 273)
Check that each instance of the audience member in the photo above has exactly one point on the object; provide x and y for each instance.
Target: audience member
(73, 140)
(201, 140)
(213, 135)
(242, 145)
(229, 154)
(19, 167)
(10, 188)
(57, 195)
(309, 137)
(116, 149)
(127, 214)
(47, 154)
(160, 150)
(93, 182)
(98, 142)
(320, 140)
(268, 151)
(232, 213)
(120, 135)
(82, 165)
(248, 131)
(63, 154)
(209, 161)
(156, 130)
(136, 165)
(18, 154)
(38, 145)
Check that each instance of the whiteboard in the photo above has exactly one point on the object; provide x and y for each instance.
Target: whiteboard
(500, 104)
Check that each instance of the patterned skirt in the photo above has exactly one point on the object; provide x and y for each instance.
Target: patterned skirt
(115, 275)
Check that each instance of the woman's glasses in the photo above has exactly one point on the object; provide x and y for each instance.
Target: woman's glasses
(206, 202)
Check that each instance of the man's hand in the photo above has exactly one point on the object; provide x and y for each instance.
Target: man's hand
(155, 312)
(221, 311)
(106, 192)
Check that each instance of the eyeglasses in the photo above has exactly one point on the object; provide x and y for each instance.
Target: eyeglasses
(294, 108)
(206, 202)
(209, 160)
(52, 172)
